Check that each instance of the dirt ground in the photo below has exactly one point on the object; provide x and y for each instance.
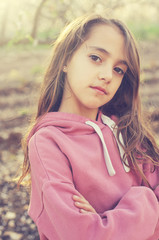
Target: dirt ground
(20, 76)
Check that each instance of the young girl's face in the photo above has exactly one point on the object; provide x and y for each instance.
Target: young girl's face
(95, 72)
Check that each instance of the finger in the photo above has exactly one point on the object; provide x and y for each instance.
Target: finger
(79, 199)
(82, 205)
(85, 206)
(83, 211)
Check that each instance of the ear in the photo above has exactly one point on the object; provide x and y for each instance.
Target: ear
(65, 69)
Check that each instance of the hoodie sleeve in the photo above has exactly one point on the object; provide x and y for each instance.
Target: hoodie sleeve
(152, 176)
(52, 208)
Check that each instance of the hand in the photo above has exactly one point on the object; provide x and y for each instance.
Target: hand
(83, 205)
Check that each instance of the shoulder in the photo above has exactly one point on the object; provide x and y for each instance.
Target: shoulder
(44, 142)
(48, 139)
(45, 150)
(45, 134)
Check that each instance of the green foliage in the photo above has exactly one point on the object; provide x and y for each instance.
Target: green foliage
(48, 34)
(145, 31)
(20, 37)
(37, 70)
(24, 111)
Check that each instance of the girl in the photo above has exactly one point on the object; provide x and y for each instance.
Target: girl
(94, 166)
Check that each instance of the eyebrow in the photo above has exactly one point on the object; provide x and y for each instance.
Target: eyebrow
(106, 52)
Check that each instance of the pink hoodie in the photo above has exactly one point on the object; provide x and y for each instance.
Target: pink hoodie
(71, 155)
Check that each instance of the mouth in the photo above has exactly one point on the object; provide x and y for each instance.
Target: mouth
(99, 90)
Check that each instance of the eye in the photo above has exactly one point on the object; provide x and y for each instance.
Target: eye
(119, 71)
(95, 58)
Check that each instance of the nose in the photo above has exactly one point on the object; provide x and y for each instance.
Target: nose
(106, 74)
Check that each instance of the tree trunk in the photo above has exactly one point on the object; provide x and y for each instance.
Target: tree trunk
(36, 19)
(4, 24)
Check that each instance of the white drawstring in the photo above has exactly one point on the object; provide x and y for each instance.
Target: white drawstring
(111, 124)
(108, 162)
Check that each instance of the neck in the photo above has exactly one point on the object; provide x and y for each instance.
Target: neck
(88, 113)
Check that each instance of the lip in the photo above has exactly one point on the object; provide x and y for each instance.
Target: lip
(99, 89)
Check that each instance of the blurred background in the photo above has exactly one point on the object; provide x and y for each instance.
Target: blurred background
(27, 29)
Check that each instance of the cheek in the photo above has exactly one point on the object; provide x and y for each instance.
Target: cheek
(72, 83)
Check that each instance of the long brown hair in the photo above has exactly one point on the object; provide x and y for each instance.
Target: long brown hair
(125, 104)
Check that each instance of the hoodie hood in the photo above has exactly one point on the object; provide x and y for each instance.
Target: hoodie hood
(67, 122)
(76, 124)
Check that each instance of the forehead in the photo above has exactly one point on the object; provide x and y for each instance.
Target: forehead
(108, 37)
